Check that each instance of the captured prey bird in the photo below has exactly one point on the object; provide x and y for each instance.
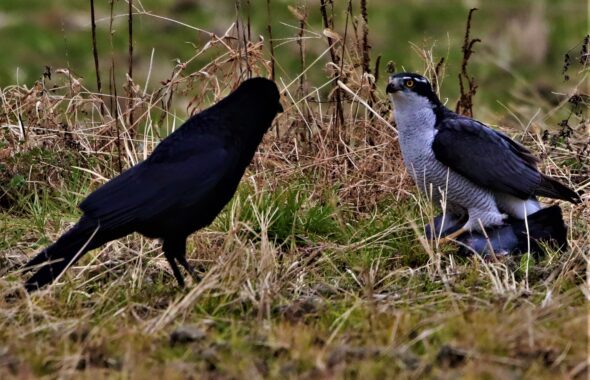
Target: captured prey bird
(180, 188)
(544, 227)
(477, 172)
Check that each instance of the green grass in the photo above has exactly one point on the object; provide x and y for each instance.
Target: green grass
(376, 309)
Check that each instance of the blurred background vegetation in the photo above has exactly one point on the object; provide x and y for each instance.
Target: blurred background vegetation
(522, 41)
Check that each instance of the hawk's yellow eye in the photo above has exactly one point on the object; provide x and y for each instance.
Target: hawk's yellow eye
(409, 83)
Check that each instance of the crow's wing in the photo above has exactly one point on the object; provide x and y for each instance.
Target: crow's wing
(179, 173)
(486, 157)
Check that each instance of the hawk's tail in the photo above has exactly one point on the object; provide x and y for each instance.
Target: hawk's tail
(56, 258)
(552, 188)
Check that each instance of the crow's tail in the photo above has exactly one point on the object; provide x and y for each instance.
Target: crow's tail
(56, 258)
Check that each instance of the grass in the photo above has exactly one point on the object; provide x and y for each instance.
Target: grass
(316, 269)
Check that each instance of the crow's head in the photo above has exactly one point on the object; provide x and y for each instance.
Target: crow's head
(250, 109)
(262, 91)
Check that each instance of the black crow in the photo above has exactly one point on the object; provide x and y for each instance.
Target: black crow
(181, 187)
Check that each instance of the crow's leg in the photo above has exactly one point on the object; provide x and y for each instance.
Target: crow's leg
(181, 258)
(189, 268)
(173, 249)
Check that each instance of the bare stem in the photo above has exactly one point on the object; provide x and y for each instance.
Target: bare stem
(465, 103)
(94, 48)
(366, 46)
(328, 24)
(113, 88)
(130, 71)
(272, 52)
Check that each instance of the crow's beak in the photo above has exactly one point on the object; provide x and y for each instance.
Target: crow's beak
(280, 108)
(394, 85)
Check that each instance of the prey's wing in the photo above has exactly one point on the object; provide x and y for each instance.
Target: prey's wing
(178, 174)
(486, 157)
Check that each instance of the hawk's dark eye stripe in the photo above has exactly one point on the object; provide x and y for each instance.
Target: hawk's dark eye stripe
(415, 79)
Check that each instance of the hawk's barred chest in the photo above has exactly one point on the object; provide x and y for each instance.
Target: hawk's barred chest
(415, 123)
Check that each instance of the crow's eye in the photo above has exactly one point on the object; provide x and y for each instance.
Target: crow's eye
(409, 83)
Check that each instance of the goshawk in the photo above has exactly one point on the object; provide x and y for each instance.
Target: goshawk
(479, 171)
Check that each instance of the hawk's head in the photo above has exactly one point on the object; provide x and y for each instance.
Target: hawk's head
(414, 101)
(408, 85)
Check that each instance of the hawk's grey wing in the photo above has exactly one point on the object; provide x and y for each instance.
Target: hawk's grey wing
(486, 157)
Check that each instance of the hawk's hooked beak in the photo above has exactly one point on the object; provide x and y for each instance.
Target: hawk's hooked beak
(394, 85)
